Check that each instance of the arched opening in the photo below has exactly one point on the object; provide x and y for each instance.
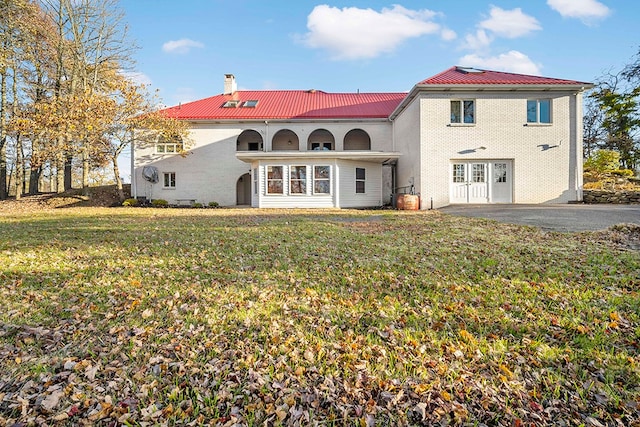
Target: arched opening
(285, 140)
(249, 140)
(243, 190)
(321, 139)
(357, 139)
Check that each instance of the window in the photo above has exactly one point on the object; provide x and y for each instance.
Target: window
(231, 104)
(321, 179)
(539, 111)
(477, 172)
(298, 180)
(255, 146)
(274, 179)
(500, 172)
(169, 180)
(321, 146)
(168, 145)
(463, 111)
(255, 181)
(458, 173)
(250, 104)
(360, 180)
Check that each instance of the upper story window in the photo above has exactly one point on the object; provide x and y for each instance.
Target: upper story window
(166, 145)
(321, 146)
(250, 104)
(463, 111)
(254, 146)
(538, 111)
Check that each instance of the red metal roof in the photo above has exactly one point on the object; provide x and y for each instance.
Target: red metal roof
(316, 104)
(473, 76)
(290, 104)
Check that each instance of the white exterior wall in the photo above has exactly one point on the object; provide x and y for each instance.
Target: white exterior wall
(407, 141)
(208, 173)
(211, 170)
(348, 198)
(544, 156)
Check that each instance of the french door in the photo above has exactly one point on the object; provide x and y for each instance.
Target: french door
(481, 181)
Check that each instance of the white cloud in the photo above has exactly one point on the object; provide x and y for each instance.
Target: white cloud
(478, 41)
(353, 33)
(586, 10)
(510, 23)
(180, 46)
(512, 61)
(448, 34)
(137, 77)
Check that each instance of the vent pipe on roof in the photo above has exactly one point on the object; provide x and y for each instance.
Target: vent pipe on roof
(230, 86)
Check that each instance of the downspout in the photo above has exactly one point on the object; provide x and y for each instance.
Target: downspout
(394, 165)
(579, 146)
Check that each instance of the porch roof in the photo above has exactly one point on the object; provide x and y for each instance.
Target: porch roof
(367, 156)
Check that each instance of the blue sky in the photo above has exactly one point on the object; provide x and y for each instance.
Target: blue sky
(186, 47)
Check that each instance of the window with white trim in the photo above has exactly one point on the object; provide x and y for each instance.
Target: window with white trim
(256, 182)
(361, 176)
(321, 179)
(459, 172)
(298, 180)
(539, 111)
(168, 145)
(463, 111)
(169, 180)
(274, 180)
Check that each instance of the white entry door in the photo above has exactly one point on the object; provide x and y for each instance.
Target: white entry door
(501, 186)
(481, 182)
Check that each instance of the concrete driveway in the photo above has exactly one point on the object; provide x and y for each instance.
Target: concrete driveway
(568, 218)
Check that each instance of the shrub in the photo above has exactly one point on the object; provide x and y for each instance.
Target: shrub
(214, 205)
(131, 202)
(603, 161)
(196, 205)
(159, 203)
(622, 172)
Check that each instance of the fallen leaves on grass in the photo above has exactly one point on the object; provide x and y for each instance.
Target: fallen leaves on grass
(229, 318)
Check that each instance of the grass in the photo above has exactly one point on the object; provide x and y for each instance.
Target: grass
(285, 317)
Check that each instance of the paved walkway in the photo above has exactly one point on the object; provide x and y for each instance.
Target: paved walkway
(568, 218)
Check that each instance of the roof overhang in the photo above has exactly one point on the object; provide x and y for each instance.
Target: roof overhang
(366, 156)
(280, 120)
(448, 88)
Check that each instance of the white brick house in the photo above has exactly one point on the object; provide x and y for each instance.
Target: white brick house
(461, 136)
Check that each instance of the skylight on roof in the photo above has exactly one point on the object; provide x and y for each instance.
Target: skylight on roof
(251, 103)
(231, 104)
(469, 70)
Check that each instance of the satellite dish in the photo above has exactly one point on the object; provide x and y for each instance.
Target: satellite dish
(150, 173)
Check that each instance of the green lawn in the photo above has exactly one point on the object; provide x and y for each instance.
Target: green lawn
(130, 316)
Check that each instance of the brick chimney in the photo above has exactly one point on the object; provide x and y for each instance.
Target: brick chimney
(230, 86)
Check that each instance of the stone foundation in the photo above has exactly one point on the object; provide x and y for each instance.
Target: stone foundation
(611, 196)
